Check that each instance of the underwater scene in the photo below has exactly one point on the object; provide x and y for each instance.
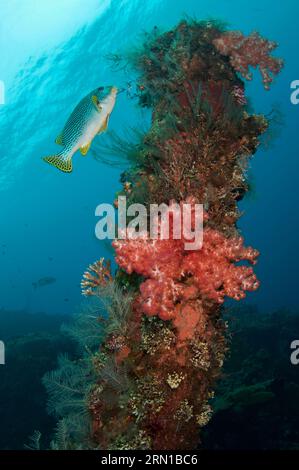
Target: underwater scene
(149, 217)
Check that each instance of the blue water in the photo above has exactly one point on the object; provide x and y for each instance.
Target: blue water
(52, 54)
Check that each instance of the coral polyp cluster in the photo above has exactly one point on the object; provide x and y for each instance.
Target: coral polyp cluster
(249, 51)
(97, 274)
(173, 275)
(164, 339)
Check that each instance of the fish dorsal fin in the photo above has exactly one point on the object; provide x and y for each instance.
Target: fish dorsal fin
(59, 140)
(104, 126)
(84, 149)
(96, 103)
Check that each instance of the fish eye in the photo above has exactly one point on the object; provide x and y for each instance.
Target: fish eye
(101, 88)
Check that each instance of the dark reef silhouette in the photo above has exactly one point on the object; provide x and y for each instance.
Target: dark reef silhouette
(258, 385)
(32, 342)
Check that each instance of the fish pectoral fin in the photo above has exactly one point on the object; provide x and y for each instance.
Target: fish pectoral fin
(96, 103)
(59, 140)
(84, 149)
(104, 126)
(63, 163)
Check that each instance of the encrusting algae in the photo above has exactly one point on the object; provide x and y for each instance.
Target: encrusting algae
(155, 370)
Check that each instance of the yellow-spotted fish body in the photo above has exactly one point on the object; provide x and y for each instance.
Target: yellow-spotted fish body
(89, 118)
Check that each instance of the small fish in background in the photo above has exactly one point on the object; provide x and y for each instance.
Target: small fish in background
(44, 281)
(89, 118)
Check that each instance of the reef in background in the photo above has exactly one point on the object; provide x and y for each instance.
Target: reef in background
(259, 385)
(155, 357)
(32, 342)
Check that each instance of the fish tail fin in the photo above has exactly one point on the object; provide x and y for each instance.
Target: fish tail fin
(61, 161)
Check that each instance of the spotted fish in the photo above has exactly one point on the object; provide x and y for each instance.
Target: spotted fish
(89, 118)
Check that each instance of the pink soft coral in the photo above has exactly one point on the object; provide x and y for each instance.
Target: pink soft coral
(253, 51)
(175, 275)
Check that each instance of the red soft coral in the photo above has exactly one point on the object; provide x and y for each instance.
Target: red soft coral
(214, 271)
(253, 51)
(175, 276)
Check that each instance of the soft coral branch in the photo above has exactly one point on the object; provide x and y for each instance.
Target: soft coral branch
(252, 50)
(174, 275)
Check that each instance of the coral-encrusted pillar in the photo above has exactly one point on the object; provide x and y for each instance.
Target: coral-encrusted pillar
(173, 345)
